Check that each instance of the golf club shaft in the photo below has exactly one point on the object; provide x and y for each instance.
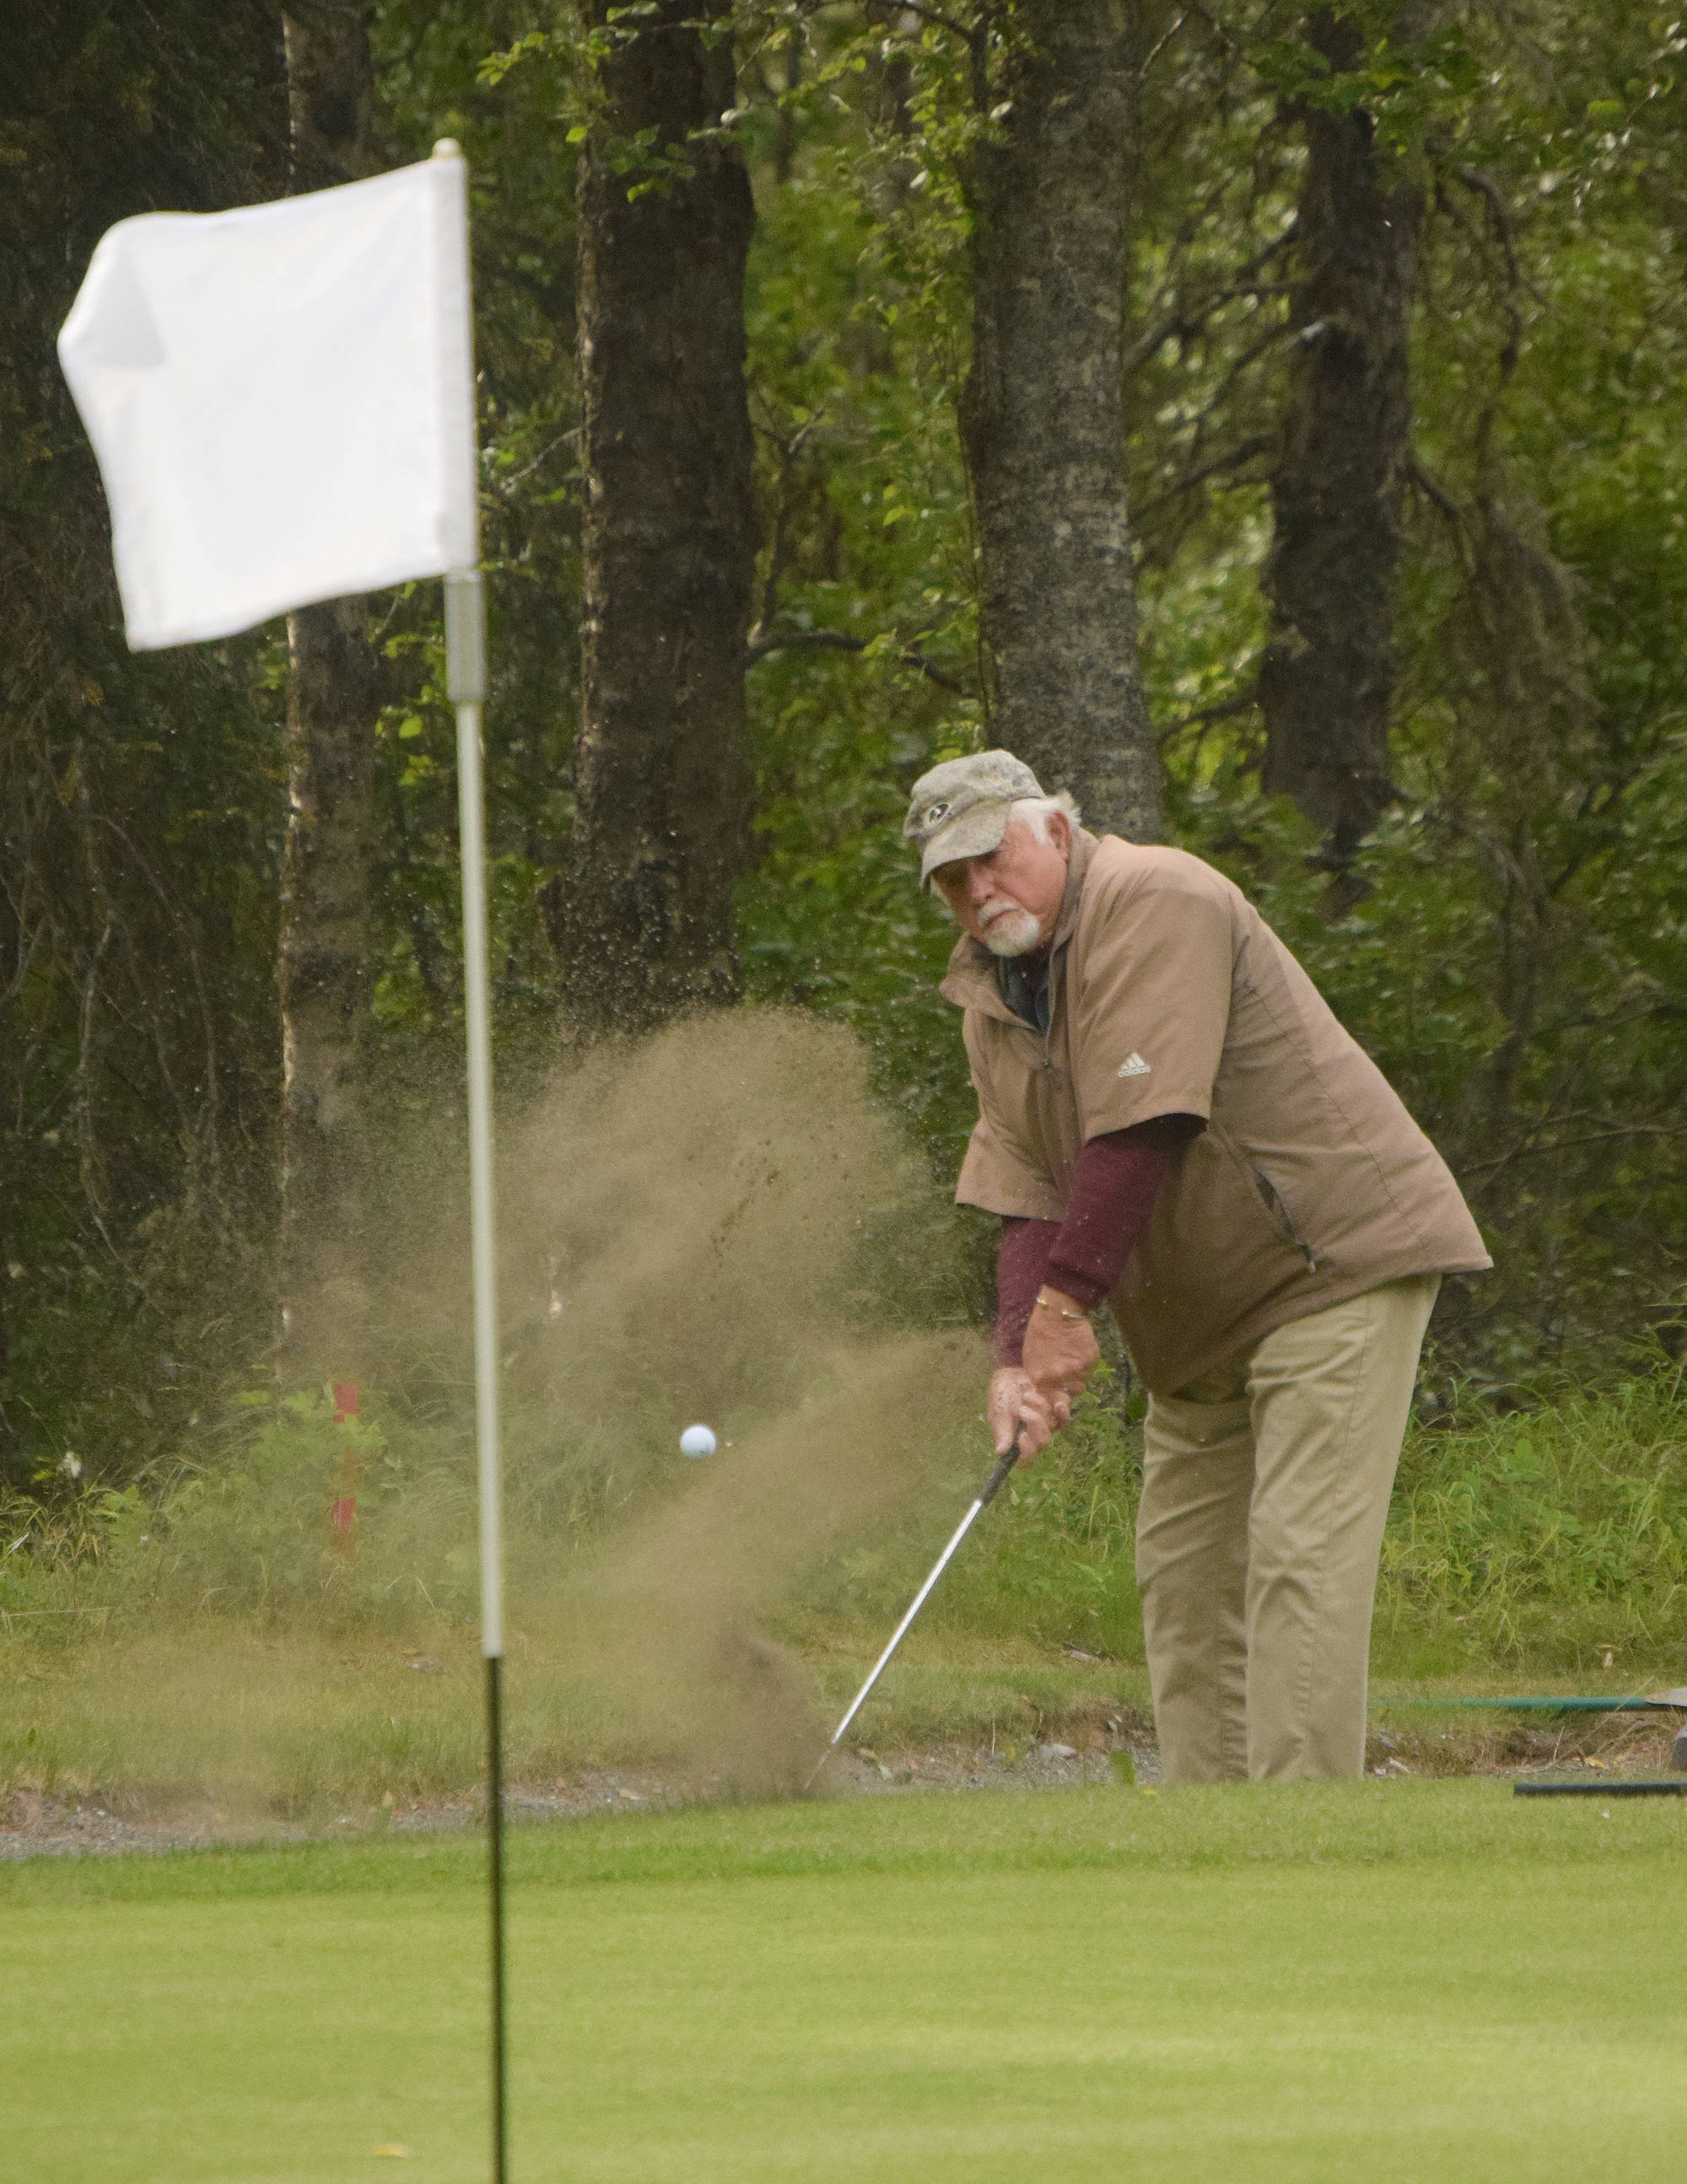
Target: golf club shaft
(986, 1494)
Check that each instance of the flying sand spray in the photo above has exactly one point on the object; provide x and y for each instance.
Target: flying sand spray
(699, 1440)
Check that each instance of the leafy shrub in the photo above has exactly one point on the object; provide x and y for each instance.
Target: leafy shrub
(1555, 1532)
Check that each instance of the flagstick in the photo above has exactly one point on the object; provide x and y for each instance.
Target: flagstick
(466, 682)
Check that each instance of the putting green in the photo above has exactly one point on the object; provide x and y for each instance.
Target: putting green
(1386, 1981)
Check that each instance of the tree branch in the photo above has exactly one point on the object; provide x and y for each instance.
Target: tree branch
(1226, 710)
(1256, 444)
(1164, 40)
(1190, 318)
(1436, 495)
(934, 16)
(514, 478)
(837, 640)
(1609, 1133)
(1504, 225)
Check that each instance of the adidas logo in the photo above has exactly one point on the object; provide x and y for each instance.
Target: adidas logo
(1133, 1066)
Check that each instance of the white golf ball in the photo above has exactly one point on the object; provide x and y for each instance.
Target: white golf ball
(697, 1441)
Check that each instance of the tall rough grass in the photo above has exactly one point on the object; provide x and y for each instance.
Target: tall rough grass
(244, 1528)
(213, 1640)
(1552, 1537)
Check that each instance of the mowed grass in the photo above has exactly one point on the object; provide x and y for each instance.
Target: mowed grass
(1389, 1981)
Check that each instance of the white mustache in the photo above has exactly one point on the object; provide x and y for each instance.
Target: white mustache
(1017, 927)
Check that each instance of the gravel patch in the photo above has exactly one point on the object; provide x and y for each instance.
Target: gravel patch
(35, 1826)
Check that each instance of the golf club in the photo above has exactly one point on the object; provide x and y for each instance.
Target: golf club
(985, 1495)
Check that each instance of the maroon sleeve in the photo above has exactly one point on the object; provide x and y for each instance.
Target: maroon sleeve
(1112, 1194)
(1021, 1257)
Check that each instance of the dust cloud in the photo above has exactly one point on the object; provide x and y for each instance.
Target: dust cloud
(666, 1621)
(718, 1224)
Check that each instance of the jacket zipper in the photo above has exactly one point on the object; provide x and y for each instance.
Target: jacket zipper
(1055, 954)
(1274, 1200)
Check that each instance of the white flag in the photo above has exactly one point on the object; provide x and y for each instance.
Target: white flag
(281, 400)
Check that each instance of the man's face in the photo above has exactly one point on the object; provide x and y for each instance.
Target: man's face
(1011, 897)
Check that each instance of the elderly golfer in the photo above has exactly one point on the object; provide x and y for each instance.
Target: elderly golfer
(1172, 1121)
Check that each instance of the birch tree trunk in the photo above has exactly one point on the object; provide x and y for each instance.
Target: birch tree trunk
(663, 783)
(333, 701)
(1327, 675)
(1042, 416)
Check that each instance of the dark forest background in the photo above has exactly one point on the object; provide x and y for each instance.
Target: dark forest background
(1347, 347)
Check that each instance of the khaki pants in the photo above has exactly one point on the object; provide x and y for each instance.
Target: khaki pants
(1264, 1488)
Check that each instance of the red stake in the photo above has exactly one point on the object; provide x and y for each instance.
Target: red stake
(343, 1516)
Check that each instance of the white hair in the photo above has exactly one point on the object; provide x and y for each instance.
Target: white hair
(1033, 811)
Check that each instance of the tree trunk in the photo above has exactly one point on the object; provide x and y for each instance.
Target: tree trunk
(333, 701)
(10, 969)
(1041, 415)
(663, 781)
(1327, 675)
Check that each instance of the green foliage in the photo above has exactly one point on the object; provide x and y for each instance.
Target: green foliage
(1057, 1561)
(1514, 959)
(1514, 962)
(1518, 958)
(1549, 1541)
(851, 361)
(243, 1530)
(140, 814)
(1554, 1535)
(213, 1634)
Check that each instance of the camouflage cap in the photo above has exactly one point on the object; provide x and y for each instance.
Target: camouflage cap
(959, 808)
